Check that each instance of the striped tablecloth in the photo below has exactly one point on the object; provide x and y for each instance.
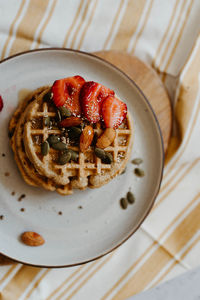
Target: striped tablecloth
(164, 34)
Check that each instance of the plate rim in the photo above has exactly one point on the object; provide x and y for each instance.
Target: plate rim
(162, 153)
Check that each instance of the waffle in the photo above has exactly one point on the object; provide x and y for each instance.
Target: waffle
(26, 168)
(14, 125)
(89, 171)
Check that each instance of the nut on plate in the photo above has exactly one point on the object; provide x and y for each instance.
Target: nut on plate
(33, 239)
(106, 138)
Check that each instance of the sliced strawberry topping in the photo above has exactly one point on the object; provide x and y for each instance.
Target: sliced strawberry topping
(66, 93)
(91, 96)
(113, 111)
(1, 103)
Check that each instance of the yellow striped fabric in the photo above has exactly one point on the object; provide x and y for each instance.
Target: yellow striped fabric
(166, 35)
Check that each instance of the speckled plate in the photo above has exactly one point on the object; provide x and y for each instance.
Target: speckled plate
(92, 222)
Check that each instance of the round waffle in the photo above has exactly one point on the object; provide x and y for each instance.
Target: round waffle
(89, 171)
(26, 168)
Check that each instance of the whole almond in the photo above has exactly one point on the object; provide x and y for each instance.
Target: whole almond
(106, 138)
(86, 138)
(31, 238)
(71, 121)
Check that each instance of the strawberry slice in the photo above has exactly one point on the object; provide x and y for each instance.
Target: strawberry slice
(66, 93)
(113, 112)
(91, 96)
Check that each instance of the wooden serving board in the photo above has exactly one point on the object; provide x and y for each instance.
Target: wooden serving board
(150, 84)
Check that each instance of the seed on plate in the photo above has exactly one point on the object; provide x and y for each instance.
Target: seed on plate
(59, 146)
(123, 203)
(45, 148)
(137, 161)
(64, 112)
(53, 139)
(130, 197)
(64, 158)
(46, 121)
(139, 172)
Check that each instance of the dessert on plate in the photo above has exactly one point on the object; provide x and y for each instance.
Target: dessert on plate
(71, 135)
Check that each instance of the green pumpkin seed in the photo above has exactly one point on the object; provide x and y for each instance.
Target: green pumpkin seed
(47, 97)
(53, 139)
(137, 161)
(45, 148)
(123, 203)
(108, 158)
(58, 115)
(139, 172)
(59, 146)
(64, 112)
(64, 158)
(130, 197)
(74, 133)
(100, 153)
(74, 154)
(95, 138)
(46, 121)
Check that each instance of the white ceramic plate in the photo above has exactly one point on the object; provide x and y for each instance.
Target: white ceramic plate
(78, 235)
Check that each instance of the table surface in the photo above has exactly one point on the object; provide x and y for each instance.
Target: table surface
(184, 287)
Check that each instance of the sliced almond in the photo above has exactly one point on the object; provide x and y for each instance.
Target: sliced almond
(31, 238)
(106, 138)
(86, 138)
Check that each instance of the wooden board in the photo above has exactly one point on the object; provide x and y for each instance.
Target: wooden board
(149, 82)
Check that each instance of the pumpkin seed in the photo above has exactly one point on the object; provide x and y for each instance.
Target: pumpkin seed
(100, 153)
(45, 148)
(47, 97)
(74, 133)
(95, 139)
(123, 203)
(64, 112)
(46, 121)
(53, 139)
(139, 172)
(59, 146)
(130, 197)
(137, 161)
(58, 115)
(108, 158)
(74, 154)
(64, 158)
